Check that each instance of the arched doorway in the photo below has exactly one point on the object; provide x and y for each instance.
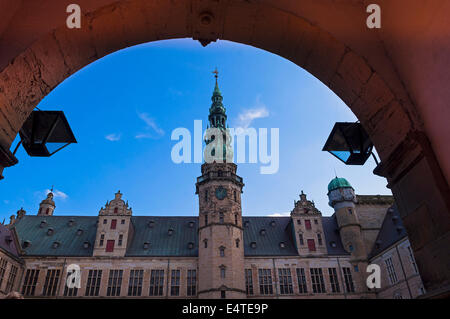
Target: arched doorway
(320, 37)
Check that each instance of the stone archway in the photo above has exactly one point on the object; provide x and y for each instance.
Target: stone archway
(329, 40)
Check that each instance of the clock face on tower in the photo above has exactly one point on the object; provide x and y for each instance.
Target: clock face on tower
(221, 192)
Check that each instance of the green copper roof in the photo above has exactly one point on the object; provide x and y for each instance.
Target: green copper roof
(276, 239)
(338, 182)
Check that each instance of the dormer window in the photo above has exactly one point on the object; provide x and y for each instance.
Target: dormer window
(79, 232)
(262, 232)
(42, 224)
(26, 244)
(272, 223)
(282, 245)
(253, 245)
(56, 244)
(246, 223)
(151, 224)
(71, 222)
(50, 231)
(191, 245)
(170, 232)
(191, 224)
(86, 245)
(333, 244)
(146, 245)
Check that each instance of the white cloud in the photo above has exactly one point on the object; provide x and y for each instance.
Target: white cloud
(151, 125)
(247, 116)
(280, 214)
(57, 194)
(113, 137)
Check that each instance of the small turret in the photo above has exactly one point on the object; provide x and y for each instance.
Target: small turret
(47, 206)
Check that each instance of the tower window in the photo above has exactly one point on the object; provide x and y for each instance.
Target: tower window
(307, 224)
(235, 196)
(222, 251)
(300, 237)
(236, 219)
(205, 242)
(311, 245)
(109, 246)
(319, 239)
(221, 219)
(237, 243)
(113, 223)
(206, 219)
(206, 195)
(222, 272)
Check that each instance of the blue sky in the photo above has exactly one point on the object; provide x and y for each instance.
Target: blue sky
(123, 108)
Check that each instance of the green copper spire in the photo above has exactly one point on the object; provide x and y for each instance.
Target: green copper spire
(217, 112)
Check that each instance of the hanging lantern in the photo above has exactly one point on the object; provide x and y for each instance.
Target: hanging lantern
(46, 132)
(350, 143)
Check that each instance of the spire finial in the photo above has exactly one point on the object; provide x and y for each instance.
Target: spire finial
(216, 74)
(51, 190)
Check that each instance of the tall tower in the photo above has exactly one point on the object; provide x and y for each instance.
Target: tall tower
(342, 198)
(47, 206)
(221, 242)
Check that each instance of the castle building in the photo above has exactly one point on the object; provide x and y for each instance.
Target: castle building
(220, 253)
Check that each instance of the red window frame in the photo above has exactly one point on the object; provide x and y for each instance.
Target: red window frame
(311, 245)
(109, 246)
(307, 224)
(113, 223)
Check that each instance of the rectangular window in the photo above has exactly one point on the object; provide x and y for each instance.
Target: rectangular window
(349, 286)
(29, 284)
(248, 282)
(102, 239)
(318, 283)
(265, 282)
(311, 245)
(319, 239)
(70, 292)
(11, 278)
(113, 223)
(156, 282)
(119, 243)
(109, 246)
(175, 283)
(114, 282)
(51, 282)
(222, 272)
(285, 279)
(334, 280)
(301, 278)
(307, 224)
(192, 282)
(3, 264)
(391, 270)
(300, 237)
(413, 261)
(93, 283)
(135, 282)
(122, 221)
